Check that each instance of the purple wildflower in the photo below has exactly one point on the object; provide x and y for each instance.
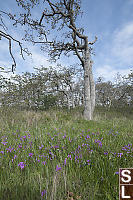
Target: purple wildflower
(43, 193)
(76, 157)
(2, 152)
(40, 147)
(99, 142)
(124, 149)
(4, 143)
(44, 162)
(88, 161)
(58, 168)
(56, 146)
(20, 146)
(80, 156)
(87, 136)
(37, 160)
(30, 143)
(21, 165)
(9, 149)
(69, 156)
(70, 140)
(119, 155)
(64, 136)
(30, 154)
(65, 161)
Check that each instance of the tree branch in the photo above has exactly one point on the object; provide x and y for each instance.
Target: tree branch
(77, 32)
(9, 38)
(56, 11)
(91, 43)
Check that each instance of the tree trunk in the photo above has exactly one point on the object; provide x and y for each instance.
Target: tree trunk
(89, 88)
(73, 99)
(73, 103)
(68, 102)
(92, 89)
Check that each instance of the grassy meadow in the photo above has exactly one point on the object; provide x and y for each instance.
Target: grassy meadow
(56, 155)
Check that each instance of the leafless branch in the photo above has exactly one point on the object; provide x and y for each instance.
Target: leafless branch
(91, 43)
(55, 11)
(10, 38)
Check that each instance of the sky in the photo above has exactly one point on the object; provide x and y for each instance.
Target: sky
(110, 20)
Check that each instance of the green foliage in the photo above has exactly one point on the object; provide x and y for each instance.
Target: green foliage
(47, 101)
(48, 88)
(118, 94)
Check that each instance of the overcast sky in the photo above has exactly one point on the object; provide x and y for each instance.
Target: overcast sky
(110, 20)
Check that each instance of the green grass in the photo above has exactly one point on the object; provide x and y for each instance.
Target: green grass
(91, 149)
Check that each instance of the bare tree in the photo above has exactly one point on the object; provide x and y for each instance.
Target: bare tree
(61, 15)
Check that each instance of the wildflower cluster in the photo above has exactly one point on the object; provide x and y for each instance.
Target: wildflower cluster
(59, 151)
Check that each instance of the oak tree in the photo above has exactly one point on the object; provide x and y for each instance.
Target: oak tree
(57, 31)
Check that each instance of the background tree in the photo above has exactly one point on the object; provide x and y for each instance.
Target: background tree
(49, 87)
(130, 87)
(104, 92)
(123, 88)
(64, 82)
(118, 94)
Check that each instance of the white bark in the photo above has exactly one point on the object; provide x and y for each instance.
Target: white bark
(87, 88)
(92, 89)
(68, 102)
(73, 102)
